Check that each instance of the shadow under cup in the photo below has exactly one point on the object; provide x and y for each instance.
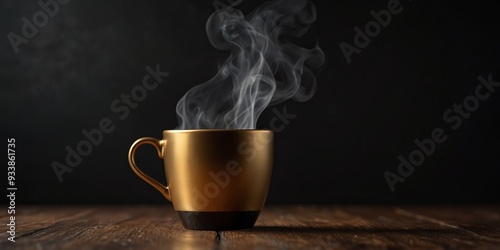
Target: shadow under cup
(217, 179)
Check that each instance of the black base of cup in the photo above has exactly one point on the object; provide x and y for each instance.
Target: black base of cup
(218, 221)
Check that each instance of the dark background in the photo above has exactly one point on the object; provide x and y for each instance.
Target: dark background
(336, 150)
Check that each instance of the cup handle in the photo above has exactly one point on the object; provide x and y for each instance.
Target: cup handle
(159, 145)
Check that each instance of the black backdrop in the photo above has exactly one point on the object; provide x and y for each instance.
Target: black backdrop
(336, 149)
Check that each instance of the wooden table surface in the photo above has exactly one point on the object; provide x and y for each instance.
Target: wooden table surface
(278, 227)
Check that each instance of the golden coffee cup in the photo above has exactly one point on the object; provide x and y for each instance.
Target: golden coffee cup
(217, 179)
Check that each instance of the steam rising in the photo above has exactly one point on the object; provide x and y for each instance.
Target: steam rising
(263, 68)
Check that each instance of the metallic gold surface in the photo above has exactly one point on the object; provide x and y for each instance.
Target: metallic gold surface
(159, 145)
(211, 170)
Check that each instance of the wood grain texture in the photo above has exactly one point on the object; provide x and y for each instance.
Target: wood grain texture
(278, 227)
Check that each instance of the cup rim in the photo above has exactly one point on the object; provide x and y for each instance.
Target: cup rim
(214, 130)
